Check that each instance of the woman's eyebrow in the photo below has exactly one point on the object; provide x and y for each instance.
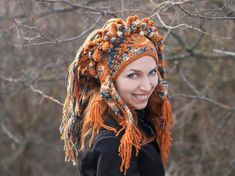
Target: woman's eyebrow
(141, 70)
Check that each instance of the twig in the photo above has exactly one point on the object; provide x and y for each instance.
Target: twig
(214, 17)
(223, 123)
(45, 96)
(214, 102)
(74, 5)
(164, 4)
(225, 52)
(199, 95)
(10, 134)
(188, 26)
(192, 87)
(65, 40)
(20, 80)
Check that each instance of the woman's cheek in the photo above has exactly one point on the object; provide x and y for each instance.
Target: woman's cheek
(154, 81)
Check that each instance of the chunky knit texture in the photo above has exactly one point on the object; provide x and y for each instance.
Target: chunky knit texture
(99, 61)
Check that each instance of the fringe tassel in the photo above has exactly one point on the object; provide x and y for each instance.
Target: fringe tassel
(95, 120)
(131, 137)
(164, 135)
(69, 120)
(69, 138)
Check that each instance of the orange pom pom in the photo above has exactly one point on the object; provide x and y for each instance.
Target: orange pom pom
(157, 38)
(131, 19)
(97, 55)
(105, 46)
(120, 21)
(113, 30)
(147, 21)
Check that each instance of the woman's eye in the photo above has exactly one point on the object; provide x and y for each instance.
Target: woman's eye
(153, 72)
(132, 75)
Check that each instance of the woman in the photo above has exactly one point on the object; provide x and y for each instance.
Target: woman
(116, 116)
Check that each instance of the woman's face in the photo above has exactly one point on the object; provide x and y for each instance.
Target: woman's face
(137, 81)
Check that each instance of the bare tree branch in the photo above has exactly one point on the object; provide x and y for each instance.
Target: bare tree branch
(95, 9)
(58, 41)
(46, 96)
(229, 53)
(209, 100)
(200, 96)
(10, 134)
(190, 27)
(213, 17)
(163, 4)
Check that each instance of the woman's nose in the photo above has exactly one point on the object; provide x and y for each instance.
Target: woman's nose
(146, 85)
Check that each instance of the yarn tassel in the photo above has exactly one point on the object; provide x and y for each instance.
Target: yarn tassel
(95, 120)
(164, 135)
(131, 137)
(70, 117)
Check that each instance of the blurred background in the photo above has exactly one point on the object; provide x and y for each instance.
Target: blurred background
(38, 40)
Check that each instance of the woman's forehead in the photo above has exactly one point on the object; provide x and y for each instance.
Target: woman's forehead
(141, 64)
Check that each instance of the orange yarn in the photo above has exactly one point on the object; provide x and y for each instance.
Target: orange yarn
(131, 137)
(165, 136)
(113, 30)
(161, 117)
(130, 19)
(97, 55)
(94, 120)
(105, 46)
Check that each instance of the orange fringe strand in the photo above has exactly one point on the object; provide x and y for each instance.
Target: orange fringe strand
(132, 137)
(94, 120)
(164, 135)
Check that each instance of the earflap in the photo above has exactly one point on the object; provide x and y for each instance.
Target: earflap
(132, 136)
(164, 132)
(161, 116)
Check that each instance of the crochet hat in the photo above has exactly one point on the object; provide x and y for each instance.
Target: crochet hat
(99, 61)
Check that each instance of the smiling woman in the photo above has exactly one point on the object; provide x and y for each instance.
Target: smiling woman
(116, 116)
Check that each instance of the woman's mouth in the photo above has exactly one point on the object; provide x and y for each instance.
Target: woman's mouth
(140, 98)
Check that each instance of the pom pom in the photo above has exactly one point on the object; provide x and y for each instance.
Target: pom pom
(148, 22)
(157, 38)
(105, 46)
(97, 55)
(113, 30)
(131, 19)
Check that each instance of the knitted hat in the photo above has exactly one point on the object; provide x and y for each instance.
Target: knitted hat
(99, 61)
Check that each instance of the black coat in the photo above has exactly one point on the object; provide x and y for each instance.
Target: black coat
(102, 158)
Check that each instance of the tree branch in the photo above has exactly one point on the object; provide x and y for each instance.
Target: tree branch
(45, 96)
